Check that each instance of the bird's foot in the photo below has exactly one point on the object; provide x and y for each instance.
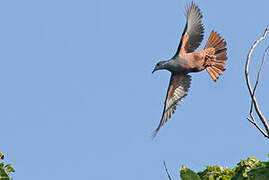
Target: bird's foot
(211, 57)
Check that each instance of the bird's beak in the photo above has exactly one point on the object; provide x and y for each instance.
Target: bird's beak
(155, 69)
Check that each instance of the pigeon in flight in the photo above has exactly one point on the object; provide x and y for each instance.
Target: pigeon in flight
(212, 58)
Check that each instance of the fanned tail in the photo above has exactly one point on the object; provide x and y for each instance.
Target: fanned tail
(216, 55)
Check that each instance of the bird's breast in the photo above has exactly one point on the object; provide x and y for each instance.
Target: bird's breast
(180, 66)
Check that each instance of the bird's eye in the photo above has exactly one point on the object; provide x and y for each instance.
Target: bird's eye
(158, 64)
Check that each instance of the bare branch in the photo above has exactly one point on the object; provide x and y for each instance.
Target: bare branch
(258, 76)
(260, 70)
(167, 171)
(257, 126)
(253, 98)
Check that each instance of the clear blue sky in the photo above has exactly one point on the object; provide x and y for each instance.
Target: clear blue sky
(78, 100)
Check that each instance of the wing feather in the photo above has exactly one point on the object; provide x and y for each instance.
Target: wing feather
(194, 31)
(177, 90)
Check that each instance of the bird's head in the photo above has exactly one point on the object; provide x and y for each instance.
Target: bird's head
(161, 65)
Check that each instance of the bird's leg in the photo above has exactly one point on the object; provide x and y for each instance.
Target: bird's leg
(209, 60)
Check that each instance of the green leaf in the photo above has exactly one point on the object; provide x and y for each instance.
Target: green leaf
(187, 174)
(9, 168)
(5, 170)
(260, 173)
(216, 172)
(244, 166)
(3, 174)
(249, 169)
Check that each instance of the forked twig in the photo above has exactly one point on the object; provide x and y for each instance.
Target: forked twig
(252, 91)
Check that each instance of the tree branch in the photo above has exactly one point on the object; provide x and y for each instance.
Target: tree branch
(252, 91)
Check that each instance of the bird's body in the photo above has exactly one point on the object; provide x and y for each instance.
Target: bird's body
(187, 60)
(191, 62)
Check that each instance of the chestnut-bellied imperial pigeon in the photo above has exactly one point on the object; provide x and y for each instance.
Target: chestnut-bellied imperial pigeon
(212, 58)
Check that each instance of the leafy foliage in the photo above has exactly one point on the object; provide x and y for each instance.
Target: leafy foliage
(187, 174)
(249, 169)
(5, 169)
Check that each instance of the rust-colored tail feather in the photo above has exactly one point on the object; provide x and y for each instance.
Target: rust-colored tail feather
(218, 66)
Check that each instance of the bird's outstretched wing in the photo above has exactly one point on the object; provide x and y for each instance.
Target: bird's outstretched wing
(177, 90)
(194, 31)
